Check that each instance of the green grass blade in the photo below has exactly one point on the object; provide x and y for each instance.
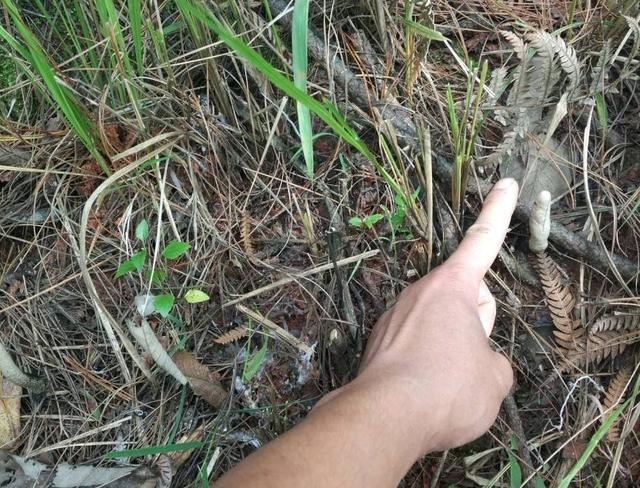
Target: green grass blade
(514, 466)
(595, 440)
(424, 31)
(135, 20)
(153, 450)
(299, 33)
(327, 112)
(69, 106)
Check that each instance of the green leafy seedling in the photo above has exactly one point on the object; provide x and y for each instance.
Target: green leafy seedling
(126, 267)
(253, 364)
(157, 276)
(163, 304)
(138, 260)
(514, 467)
(142, 230)
(175, 249)
(367, 222)
(96, 414)
(196, 296)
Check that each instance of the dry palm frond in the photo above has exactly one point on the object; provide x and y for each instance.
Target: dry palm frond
(615, 322)
(613, 396)
(569, 333)
(232, 335)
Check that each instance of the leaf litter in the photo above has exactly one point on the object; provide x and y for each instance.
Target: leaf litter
(238, 216)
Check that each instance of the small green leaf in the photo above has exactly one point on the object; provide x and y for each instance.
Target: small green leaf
(175, 249)
(142, 230)
(138, 260)
(355, 221)
(126, 267)
(397, 219)
(424, 31)
(157, 276)
(252, 365)
(372, 220)
(163, 304)
(196, 296)
(538, 483)
(400, 201)
(514, 467)
(96, 414)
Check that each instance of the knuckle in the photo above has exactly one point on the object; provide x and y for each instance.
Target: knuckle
(504, 372)
(481, 229)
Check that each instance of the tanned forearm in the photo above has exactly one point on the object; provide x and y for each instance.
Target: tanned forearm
(363, 435)
(428, 379)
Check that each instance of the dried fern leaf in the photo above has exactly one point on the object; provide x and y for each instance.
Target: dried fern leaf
(602, 345)
(599, 73)
(245, 231)
(517, 44)
(634, 25)
(497, 86)
(613, 395)
(232, 336)
(568, 60)
(569, 333)
(544, 73)
(615, 322)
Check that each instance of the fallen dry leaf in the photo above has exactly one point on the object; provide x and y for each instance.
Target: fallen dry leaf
(178, 458)
(203, 382)
(165, 471)
(20, 472)
(9, 412)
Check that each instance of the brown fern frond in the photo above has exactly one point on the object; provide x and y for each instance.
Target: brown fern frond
(517, 44)
(615, 322)
(245, 232)
(232, 336)
(602, 345)
(569, 333)
(613, 396)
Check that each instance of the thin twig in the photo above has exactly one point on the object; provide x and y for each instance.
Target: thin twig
(304, 274)
(277, 330)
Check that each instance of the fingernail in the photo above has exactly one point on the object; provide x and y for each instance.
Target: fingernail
(505, 184)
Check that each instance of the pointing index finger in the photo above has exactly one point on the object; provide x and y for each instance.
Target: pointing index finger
(483, 240)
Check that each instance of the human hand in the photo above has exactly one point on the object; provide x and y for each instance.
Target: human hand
(431, 347)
